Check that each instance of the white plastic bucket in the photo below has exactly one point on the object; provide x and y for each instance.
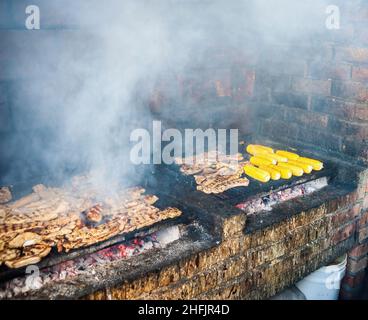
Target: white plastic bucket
(324, 284)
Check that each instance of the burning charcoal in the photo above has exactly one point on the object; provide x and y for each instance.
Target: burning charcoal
(82, 265)
(266, 203)
(138, 242)
(147, 245)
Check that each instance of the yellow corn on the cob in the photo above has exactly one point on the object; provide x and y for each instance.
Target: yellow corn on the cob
(275, 157)
(317, 165)
(297, 171)
(307, 168)
(268, 157)
(255, 149)
(287, 154)
(269, 149)
(257, 173)
(285, 172)
(275, 175)
(257, 161)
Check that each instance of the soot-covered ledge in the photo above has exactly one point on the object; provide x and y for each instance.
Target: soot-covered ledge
(258, 256)
(225, 253)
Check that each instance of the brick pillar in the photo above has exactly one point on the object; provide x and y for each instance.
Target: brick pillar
(356, 271)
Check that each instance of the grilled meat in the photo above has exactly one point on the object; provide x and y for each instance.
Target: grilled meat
(94, 214)
(214, 172)
(59, 217)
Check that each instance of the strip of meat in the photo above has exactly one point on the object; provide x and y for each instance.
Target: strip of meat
(190, 170)
(134, 193)
(9, 254)
(219, 188)
(24, 239)
(6, 230)
(94, 214)
(150, 199)
(170, 213)
(22, 261)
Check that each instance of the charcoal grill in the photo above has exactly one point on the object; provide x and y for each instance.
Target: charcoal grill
(171, 175)
(206, 210)
(188, 216)
(172, 187)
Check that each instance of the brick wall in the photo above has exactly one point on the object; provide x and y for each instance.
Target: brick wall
(316, 90)
(312, 90)
(358, 257)
(258, 263)
(215, 91)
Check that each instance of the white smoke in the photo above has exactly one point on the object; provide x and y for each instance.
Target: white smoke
(87, 87)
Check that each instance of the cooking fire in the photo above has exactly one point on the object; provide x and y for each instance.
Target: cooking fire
(218, 152)
(71, 218)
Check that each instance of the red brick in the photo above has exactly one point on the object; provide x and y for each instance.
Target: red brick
(348, 128)
(334, 106)
(243, 84)
(275, 128)
(326, 70)
(363, 220)
(354, 281)
(363, 234)
(343, 217)
(348, 199)
(355, 148)
(289, 99)
(250, 77)
(359, 251)
(352, 54)
(306, 118)
(360, 74)
(355, 266)
(324, 139)
(222, 83)
(350, 90)
(343, 234)
(356, 210)
(278, 83)
(322, 87)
